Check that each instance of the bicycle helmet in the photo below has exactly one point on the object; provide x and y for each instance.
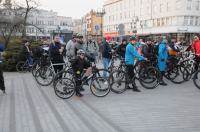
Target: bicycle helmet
(79, 52)
(79, 35)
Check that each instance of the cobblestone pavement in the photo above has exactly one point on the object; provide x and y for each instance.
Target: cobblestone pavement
(28, 107)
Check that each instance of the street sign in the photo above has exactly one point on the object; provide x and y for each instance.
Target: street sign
(121, 29)
(97, 28)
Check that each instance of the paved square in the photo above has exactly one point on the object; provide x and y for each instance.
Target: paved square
(28, 107)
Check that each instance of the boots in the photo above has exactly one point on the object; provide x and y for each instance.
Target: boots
(78, 89)
(161, 79)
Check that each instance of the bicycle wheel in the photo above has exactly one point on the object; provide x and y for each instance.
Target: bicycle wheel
(44, 76)
(149, 77)
(117, 81)
(34, 69)
(21, 67)
(178, 74)
(196, 79)
(64, 88)
(100, 87)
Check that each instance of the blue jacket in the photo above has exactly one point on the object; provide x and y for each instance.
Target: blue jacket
(130, 55)
(162, 56)
(2, 47)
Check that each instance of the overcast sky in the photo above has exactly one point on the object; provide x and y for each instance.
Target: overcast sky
(71, 8)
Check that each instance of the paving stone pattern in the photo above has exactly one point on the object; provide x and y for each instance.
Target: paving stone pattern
(28, 107)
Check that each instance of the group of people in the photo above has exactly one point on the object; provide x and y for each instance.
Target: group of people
(83, 54)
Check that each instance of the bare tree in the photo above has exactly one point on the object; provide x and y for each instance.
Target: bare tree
(30, 5)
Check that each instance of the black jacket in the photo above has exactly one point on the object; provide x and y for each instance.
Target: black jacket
(79, 64)
(55, 54)
(122, 50)
(148, 51)
(106, 50)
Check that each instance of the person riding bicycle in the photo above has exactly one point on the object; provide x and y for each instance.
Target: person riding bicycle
(79, 64)
(130, 55)
(2, 84)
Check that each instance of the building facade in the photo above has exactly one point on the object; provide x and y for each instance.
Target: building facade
(94, 23)
(177, 18)
(45, 22)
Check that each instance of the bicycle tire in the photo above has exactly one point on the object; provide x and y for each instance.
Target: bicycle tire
(20, 67)
(195, 79)
(64, 88)
(117, 82)
(42, 73)
(149, 77)
(99, 90)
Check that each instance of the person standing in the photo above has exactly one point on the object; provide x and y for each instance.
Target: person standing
(92, 48)
(56, 53)
(106, 53)
(130, 55)
(70, 47)
(28, 52)
(122, 48)
(2, 85)
(162, 59)
(196, 49)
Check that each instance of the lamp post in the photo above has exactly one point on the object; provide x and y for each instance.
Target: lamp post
(100, 13)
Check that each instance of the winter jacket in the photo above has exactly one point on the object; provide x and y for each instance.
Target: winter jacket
(55, 54)
(70, 49)
(131, 54)
(91, 48)
(106, 50)
(162, 56)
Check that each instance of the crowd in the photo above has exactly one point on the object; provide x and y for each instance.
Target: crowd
(84, 54)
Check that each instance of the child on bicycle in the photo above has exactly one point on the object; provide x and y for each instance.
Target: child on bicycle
(79, 64)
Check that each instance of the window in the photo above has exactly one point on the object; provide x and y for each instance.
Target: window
(189, 4)
(178, 4)
(196, 21)
(197, 5)
(186, 20)
(167, 6)
(191, 20)
(158, 22)
(161, 7)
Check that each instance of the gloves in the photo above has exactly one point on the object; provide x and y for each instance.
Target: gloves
(162, 60)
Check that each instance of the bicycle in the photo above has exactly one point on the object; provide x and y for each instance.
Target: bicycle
(119, 79)
(45, 75)
(23, 66)
(64, 83)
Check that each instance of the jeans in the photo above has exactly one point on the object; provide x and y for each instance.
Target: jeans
(30, 59)
(106, 62)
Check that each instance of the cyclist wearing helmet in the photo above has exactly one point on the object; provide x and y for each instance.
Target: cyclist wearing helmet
(80, 64)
